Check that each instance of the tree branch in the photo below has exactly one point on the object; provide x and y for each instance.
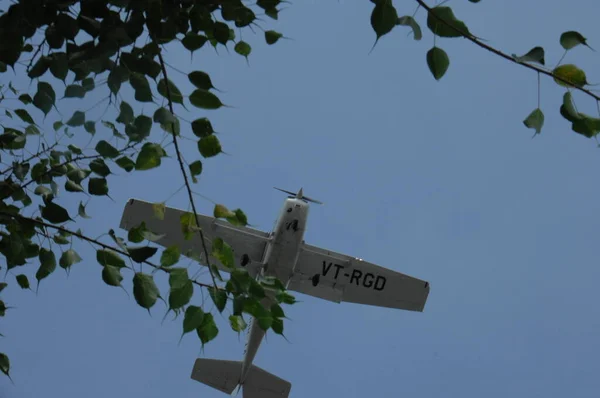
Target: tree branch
(40, 153)
(90, 240)
(75, 159)
(181, 166)
(504, 55)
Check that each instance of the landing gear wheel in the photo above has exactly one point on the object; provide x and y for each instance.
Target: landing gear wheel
(315, 280)
(245, 260)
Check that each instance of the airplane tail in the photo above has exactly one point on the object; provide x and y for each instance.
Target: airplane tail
(225, 376)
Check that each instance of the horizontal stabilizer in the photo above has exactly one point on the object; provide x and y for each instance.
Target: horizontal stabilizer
(220, 374)
(262, 384)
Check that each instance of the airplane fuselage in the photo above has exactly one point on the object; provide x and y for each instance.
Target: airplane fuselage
(279, 260)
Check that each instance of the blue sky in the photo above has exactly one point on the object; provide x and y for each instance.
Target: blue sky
(438, 180)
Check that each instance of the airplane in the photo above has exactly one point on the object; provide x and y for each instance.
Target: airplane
(301, 267)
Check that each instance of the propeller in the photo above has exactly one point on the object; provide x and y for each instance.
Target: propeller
(299, 195)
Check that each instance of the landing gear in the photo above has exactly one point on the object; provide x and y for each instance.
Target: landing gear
(245, 260)
(315, 280)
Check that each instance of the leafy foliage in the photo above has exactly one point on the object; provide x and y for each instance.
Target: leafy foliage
(72, 48)
(69, 50)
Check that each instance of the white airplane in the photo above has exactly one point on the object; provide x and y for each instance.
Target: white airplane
(300, 267)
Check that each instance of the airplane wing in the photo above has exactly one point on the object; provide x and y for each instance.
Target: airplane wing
(349, 279)
(244, 241)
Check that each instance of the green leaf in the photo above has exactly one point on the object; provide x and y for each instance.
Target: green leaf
(109, 257)
(43, 191)
(277, 311)
(159, 210)
(223, 252)
(78, 119)
(90, 127)
(145, 291)
(407, 20)
(88, 84)
(207, 330)
(98, 186)
(59, 66)
(568, 110)
(535, 120)
(140, 129)
(4, 364)
(536, 54)
(286, 298)
(21, 170)
(221, 211)
(238, 218)
(3, 286)
(23, 281)
(570, 73)
(77, 175)
(243, 49)
(106, 150)
(47, 264)
(112, 275)
(81, 211)
(383, 18)
(209, 146)
(75, 149)
(200, 80)
(271, 36)
(587, 126)
(442, 22)
(25, 99)
(221, 32)
(204, 99)
(570, 39)
(237, 323)
(126, 113)
(68, 258)
(438, 62)
(219, 297)
(181, 286)
(188, 225)
(170, 256)
(140, 84)
(55, 213)
(40, 67)
(125, 163)
(32, 130)
(193, 41)
(149, 157)
(142, 253)
(135, 234)
(24, 116)
(57, 125)
(72, 186)
(174, 92)
(74, 91)
(99, 167)
(195, 170)
(163, 116)
(277, 326)
(45, 97)
(202, 127)
(192, 319)
(117, 76)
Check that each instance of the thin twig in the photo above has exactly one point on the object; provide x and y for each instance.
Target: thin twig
(504, 55)
(40, 153)
(75, 159)
(90, 240)
(181, 166)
